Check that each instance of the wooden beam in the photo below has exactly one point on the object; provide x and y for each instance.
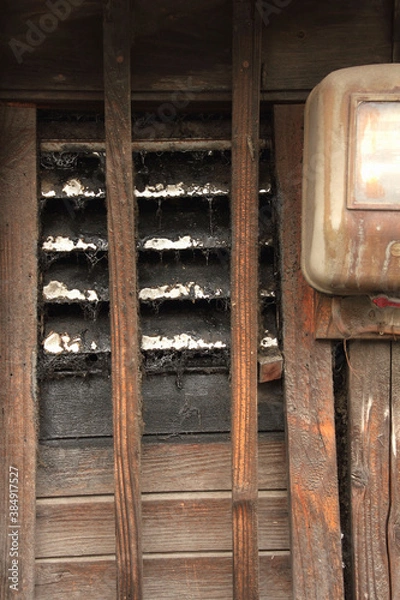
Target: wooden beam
(18, 342)
(244, 294)
(369, 434)
(123, 297)
(313, 486)
(394, 514)
(396, 31)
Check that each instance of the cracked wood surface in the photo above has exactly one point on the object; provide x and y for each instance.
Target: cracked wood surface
(313, 485)
(123, 298)
(18, 297)
(246, 68)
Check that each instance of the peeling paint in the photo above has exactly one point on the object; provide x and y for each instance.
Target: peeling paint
(182, 243)
(174, 292)
(267, 293)
(56, 290)
(65, 244)
(74, 188)
(179, 189)
(56, 343)
(181, 341)
(268, 341)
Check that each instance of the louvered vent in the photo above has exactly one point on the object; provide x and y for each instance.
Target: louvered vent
(184, 244)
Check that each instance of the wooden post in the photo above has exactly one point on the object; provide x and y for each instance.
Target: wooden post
(314, 497)
(396, 31)
(394, 476)
(18, 343)
(244, 294)
(369, 428)
(123, 297)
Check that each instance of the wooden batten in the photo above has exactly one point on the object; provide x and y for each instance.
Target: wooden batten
(394, 490)
(123, 298)
(246, 71)
(370, 441)
(18, 340)
(315, 522)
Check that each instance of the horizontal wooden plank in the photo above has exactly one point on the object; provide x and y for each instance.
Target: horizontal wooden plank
(166, 578)
(65, 579)
(75, 407)
(173, 404)
(191, 522)
(308, 39)
(182, 52)
(193, 127)
(85, 467)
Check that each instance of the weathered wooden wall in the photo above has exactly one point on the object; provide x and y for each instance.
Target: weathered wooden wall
(186, 511)
(181, 60)
(183, 50)
(187, 521)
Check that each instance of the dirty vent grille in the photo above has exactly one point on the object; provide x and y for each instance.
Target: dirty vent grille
(184, 291)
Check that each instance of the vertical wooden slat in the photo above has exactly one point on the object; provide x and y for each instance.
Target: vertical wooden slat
(315, 520)
(369, 428)
(244, 294)
(394, 476)
(18, 341)
(123, 297)
(396, 31)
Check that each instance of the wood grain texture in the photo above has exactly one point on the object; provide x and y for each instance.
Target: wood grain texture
(246, 69)
(369, 421)
(197, 577)
(394, 476)
(313, 487)
(81, 406)
(85, 467)
(18, 341)
(396, 32)
(123, 296)
(180, 522)
(184, 55)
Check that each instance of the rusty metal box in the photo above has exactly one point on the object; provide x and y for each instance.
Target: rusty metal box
(351, 182)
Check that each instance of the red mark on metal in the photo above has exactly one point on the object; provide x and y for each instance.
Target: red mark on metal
(384, 301)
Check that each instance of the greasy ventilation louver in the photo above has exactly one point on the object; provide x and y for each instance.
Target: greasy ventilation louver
(184, 242)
